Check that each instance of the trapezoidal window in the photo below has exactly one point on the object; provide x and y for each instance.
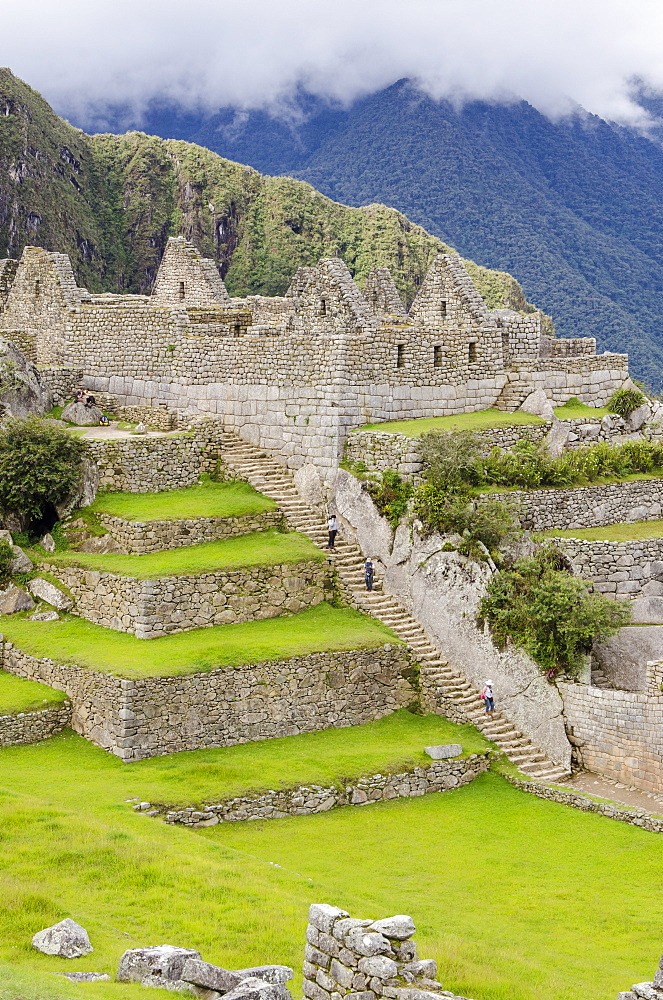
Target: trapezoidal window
(182, 290)
(400, 355)
(437, 356)
(471, 352)
(443, 308)
(37, 287)
(323, 307)
(237, 329)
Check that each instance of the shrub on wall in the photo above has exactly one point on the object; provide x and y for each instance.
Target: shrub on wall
(551, 614)
(390, 494)
(39, 465)
(624, 401)
(487, 521)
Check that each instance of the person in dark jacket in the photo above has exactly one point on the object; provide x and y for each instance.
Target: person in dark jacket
(369, 571)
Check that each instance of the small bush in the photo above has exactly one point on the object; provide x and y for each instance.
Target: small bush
(452, 459)
(551, 614)
(625, 401)
(488, 520)
(390, 495)
(39, 465)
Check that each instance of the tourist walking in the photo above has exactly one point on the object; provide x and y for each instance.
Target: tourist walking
(369, 571)
(332, 527)
(488, 699)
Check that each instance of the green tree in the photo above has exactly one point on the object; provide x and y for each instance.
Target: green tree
(39, 465)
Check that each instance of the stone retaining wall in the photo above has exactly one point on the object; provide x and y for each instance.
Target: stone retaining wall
(159, 417)
(636, 817)
(152, 608)
(304, 800)
(62, 382)
(32, 727)
(590, 506)
(149, 716)
(619, 733)
(141, 537)
(627, 569)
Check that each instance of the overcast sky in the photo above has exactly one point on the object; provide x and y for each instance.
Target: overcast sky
(204, 54)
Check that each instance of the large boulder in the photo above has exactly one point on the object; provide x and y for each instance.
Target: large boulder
(254, 988)
(638, 417)
(21, 563)
(85, 491)
(22, 392)
(210, 977)
(538, 404)
(66, 939)
(48, 592)
(163, 960)
(274, 974)
(557, 439)
(82, 415)
(101, 545)
(13, 600)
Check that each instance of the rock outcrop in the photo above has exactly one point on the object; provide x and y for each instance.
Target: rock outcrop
(66, 939)
(22, 392)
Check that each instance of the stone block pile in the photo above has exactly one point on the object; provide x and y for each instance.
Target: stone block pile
(365, 959)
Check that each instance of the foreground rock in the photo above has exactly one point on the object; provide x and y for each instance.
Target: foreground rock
(164, 960)
(539, 405)
(101, 545)
(443, 752)
(82, 415)
(66, 939)
(48, 592)
(15, 599)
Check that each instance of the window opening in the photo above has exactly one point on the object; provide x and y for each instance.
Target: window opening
(472, 352)
(400, 355)
(437, 356)
(37, 287)
(182, 290)
(443, 308)
(323, 307)
(237, 329)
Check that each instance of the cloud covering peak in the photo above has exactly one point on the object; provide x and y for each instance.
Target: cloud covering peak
(85, 55)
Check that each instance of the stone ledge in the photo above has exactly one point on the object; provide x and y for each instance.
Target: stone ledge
(141, 537)
(305, 800)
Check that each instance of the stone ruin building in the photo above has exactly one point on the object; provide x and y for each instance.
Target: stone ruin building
(294, 374)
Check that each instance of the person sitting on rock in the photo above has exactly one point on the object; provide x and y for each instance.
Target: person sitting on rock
(90, 401)
(79, 396)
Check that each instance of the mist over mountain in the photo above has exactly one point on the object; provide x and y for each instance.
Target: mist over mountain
(572, 208)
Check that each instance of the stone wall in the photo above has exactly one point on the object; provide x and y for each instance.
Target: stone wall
(62, 382)
(293, 375)
(32, 727)
(365, 959)
(619, 733)
(590, 506)
(152, 608)
(626, 569)
(149, 716)
(152, 464)
(305, 800)
(141, 537)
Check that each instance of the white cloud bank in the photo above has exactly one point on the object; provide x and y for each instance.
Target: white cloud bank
(203, 54)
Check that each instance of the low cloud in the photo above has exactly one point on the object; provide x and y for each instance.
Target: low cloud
(87, 55)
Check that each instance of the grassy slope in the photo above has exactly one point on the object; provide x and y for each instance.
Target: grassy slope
(622, 532)
(478, 421)
(74, 640)
(484, 868)
(576, 411)
(207, 500)
(260, 548)
(18, 695)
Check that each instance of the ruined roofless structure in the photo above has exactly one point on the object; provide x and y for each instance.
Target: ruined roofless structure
(295, 374)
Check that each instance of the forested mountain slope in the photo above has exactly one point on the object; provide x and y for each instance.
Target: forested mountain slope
(111, 202)
(573, 209)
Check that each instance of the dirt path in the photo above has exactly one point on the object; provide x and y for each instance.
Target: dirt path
(615, 791)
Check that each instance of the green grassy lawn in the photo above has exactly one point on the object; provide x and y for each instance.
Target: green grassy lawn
(479, 421)
(621, 532)
(567, 905)
(260, 548)
(577, 410)
(18, 695)
(74, 640)
(208, 499)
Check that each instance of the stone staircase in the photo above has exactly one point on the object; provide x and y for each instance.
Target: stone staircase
(443, 688)
(599, 678)
(514, 393)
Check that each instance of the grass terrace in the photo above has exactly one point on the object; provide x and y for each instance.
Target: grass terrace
(481, 420)
(620, 532)
(318, 629)
(18, 695)
(207, 499)
(530, 877)
(575, 410)
(260, 548)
